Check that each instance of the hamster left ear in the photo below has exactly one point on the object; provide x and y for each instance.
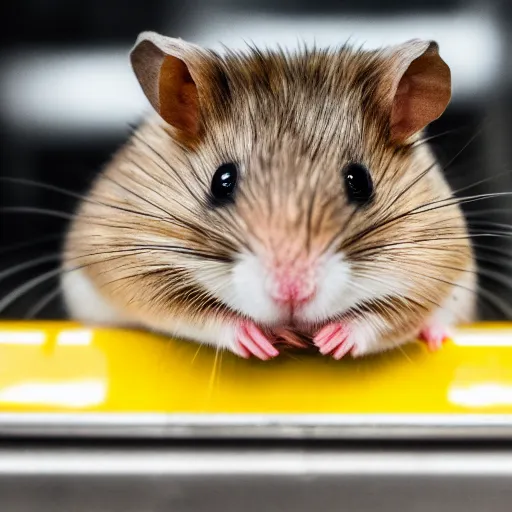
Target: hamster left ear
(165, 68)
(420, 87)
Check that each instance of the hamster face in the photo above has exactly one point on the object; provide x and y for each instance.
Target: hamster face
(328, 225)
(292, 207)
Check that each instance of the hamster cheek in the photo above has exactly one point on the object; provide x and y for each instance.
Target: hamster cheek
(83, 302)
(243, 289)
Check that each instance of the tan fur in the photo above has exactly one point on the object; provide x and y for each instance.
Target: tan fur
(292, 122)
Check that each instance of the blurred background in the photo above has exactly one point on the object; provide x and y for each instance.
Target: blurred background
(68, 98)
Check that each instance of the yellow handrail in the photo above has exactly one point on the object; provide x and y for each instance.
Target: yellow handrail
(66, 367)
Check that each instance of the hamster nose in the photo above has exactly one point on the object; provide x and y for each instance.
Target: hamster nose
(292, 289)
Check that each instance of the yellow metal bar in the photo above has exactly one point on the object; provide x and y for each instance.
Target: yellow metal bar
(67, 368)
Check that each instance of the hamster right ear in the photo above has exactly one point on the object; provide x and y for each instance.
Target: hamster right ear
(417, 87)
(164, 69)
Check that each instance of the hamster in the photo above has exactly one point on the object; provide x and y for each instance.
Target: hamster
(273, 192)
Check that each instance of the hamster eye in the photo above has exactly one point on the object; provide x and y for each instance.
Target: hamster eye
(224, 182)
(358, 183)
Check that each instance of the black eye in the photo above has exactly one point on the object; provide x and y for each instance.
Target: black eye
(358, 183)
(224, 182)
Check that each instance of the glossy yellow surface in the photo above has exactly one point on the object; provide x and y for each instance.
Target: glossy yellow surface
(65, 367)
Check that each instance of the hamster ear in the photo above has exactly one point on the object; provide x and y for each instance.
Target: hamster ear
(163, 68)
(420, 87)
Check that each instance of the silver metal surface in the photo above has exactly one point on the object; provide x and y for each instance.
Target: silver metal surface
(169, 479)
(231, 426)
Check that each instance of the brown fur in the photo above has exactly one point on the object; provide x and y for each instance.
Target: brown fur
(292, 122)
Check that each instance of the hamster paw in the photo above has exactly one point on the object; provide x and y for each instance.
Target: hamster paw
(336, 339)
(434, 335)
(250, 340)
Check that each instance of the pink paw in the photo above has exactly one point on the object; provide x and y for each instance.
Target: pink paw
(435, 336)
(251, 341)
(335, 339)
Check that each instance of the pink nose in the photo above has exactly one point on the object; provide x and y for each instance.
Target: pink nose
(292, 290)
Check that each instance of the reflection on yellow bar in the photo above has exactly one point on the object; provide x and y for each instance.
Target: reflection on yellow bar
(65, 367)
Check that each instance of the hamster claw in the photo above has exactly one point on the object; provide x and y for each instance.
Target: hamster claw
(335, 339)
(252, 341)
(434, 335)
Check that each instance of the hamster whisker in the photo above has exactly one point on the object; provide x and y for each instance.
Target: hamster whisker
(211, 383)
(486, 229)
(26, 287)
(160, 183)
(498, 225)
(487, 211)
(203, 180)
(466, 145)
(142, 271)
(140, 184)
(424, 173)
(144, 199)
(373, 248)
(405, 299)
(36, 210)
(383, 222)
(427, 207)
(41, 304)
(498, 277)
(175, 220)
(473, 227)
(176, 249)
(61, 214)
(430, 138)
(175, 179)
(175, 172)
(197, 299)
(60, 190)
(20, 267)
(491, 297)
(489, 234)
(196, 353)
(121, 253)
(409, 186)
(378, 306)
(491, 249)
(374, 305)
(31, 243)
(356, 209)
(207, 232)
(482, 181)
(448, 201)
(29, 285)
(45, 186)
